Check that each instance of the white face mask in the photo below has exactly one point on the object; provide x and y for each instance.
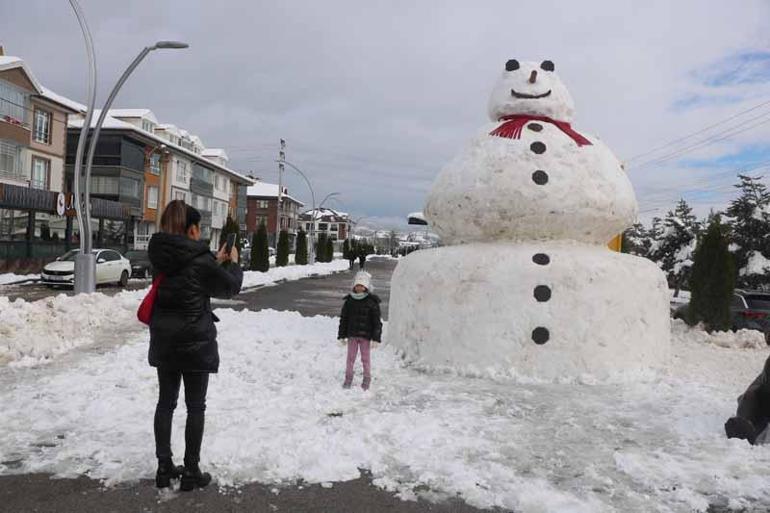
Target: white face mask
(357, 295)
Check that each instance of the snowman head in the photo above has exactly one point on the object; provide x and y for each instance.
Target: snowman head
(530, 88)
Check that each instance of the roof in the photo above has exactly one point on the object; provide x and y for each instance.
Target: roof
(10, 62)
(63, 100)
(215, 152)
(112, 123)
(134, 113)
(325, 212)
(268, 190)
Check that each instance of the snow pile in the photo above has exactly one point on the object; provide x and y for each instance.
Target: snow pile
(277, 413)
(741, 339)
(757, 264)
(7, 278)
(292, 272)
(46, 328)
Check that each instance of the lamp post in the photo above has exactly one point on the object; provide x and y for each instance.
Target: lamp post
(85, 261)
(282, 160)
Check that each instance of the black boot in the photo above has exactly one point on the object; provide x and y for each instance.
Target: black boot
(166, 472)
(194, 478)
(743, 429)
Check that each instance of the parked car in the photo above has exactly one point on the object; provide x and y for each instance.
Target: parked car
(111, 267)
(140, 263)
(749, 310)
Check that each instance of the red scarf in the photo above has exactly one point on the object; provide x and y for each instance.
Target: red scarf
(513, 125)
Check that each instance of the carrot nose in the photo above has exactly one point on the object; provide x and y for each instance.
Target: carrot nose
(533, 76)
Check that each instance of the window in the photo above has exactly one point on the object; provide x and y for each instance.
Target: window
(42, 127)
(263, 204)
(334, 228)
(180, 195)
(10, 159)
(182, 172)
(307, 227)
(109, 256)
(283, 223)
(147, 125)
(155, 164)
(13, 224)
(129, 187)
(109, 185)
(152, 198)
(323, 227)
(13, 103)
(41, 172)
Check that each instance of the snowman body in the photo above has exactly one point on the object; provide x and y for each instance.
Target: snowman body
(526, 284)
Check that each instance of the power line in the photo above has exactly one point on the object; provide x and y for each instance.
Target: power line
(719, 136)
(698, 132)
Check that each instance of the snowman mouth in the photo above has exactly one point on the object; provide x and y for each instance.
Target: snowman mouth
(529, 96)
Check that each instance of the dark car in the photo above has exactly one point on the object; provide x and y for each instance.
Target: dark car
(140, 263)
(749, 310)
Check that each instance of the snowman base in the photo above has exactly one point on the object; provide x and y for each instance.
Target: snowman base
(552, 311)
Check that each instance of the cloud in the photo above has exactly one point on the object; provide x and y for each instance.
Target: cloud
(375, 97)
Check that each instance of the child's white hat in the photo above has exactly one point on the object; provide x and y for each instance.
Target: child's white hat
(363, 278)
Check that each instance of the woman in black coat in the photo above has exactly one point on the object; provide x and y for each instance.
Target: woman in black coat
(183, 337)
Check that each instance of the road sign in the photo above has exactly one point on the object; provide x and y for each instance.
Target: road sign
(61, 204)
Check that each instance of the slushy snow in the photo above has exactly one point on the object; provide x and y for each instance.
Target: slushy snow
(6, 278)
(33, 331)
(277, 413)
(292, 272)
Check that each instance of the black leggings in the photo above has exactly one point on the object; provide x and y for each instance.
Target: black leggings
(195, 386)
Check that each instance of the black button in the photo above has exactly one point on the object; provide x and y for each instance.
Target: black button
(537, 147)
(541, 259)
(535, 127)
(540, 335)
(542, 293)
(540, 177)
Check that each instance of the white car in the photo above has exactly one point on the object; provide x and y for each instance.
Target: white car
(111, 267)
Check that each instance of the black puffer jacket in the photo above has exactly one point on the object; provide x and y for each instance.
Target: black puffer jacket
(182, 332)
(361, 318)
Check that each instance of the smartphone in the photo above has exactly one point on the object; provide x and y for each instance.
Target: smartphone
(230, 243)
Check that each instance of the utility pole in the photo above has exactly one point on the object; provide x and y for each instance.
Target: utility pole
(279, 207)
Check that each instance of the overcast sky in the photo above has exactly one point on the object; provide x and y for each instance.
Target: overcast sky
(374, 98)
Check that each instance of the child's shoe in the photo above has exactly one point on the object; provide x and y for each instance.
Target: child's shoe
(365, 384)
(347, 383)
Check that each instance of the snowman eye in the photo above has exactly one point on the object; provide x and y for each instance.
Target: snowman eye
(512, 65)
(547, 66)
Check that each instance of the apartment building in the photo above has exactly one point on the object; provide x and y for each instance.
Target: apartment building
(263, 208)
(144, 164)
(33, 132)
(336, 225)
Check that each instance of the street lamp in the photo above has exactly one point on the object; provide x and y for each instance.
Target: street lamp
(312, 195)
(85, 261)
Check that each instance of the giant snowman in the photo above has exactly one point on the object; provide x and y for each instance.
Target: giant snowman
(525, 284)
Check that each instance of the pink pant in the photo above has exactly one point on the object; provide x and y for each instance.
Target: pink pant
(353, 345)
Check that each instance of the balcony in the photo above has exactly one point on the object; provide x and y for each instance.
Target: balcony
(15, 130)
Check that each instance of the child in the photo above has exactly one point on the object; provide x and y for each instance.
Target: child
(360, 326)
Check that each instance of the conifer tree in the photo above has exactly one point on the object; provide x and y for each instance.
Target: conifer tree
(300, 257)
(673, 250)
(282, 253)
(260, 254)
(329, 249)
(712, 280)
(749, 221)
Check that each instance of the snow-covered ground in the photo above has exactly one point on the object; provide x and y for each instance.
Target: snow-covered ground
(277, 414)
(40, 330)
(292, 272)
(6, 278)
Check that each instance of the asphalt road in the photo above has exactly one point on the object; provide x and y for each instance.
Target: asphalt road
(316, 296)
